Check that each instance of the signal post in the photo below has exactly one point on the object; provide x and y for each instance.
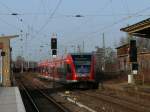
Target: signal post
(132, 61)
(54, 54)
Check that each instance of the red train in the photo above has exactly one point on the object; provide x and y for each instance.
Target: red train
(76, 69)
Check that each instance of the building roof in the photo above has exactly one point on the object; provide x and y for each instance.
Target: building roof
(8, 37)
(122, 46)
(141, 29)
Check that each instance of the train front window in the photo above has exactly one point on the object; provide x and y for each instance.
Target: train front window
(82, 68)
(82, 63)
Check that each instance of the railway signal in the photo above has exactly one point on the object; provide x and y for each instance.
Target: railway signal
(53, 43)
(133, 51)
(54, 46)
(134, 68)
(54, 52)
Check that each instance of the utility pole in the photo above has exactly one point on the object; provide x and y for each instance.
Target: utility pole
(103, 40)
(22, 61)
(103, 67)
(83, 46)
(26, 50)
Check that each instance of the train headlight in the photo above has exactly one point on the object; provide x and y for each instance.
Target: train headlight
(68, 61)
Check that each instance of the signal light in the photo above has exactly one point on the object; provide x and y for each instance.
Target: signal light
(68, 61)
(133, 51)
(54, 52)
(3, 53)
(134, 66)
(53, 43)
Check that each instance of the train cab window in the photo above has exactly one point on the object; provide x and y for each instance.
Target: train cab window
(82, 63)
(68, 68)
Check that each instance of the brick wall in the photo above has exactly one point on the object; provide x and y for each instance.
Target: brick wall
(144, 65)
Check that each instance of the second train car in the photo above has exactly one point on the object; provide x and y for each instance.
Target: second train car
(74, 70)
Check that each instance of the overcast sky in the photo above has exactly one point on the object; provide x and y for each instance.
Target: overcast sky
(38, 19)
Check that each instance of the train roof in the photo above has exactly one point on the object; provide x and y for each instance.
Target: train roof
(62, 57)
(87, 53)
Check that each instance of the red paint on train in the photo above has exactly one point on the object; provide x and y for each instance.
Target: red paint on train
(73, 68)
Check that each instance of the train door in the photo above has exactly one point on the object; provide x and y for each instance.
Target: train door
(1, 76)
(64, 72)
(69, 72)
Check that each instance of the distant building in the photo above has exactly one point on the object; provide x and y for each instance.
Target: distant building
(21, 62)
(140, 29)
(123, 58)
(99, 57)
(143, 59)
(106, 60)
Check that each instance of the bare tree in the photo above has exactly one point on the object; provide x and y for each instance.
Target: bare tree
(143, 44)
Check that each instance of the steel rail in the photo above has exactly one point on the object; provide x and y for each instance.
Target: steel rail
(29, 97)
(119, 102)
(51, 99)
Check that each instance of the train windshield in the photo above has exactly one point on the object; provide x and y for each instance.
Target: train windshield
(82, 63)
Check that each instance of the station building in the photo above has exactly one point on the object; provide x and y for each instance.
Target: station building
(140, 29)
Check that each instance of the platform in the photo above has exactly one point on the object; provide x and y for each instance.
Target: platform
(10, 100)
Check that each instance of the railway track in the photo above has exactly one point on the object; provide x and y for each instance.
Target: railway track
(33, 107)
(105, 101)
(118, 102)
(39, 101)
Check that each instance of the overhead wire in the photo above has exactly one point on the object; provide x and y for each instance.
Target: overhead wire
(124, 19)
(50, 17)
(1, 3)
(43, 3)
(104, 28)
(13, 26)
(112, 10)
(88, 15)
(85, 15)
(39, 32)
(9, 24)
(102, 9)
(105, 5)
(126, 6)
(114, 23)
(21, 29)
(23, 22)
(16, 15)
(35, 18)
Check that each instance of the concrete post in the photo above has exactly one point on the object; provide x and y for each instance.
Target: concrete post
(6, 65)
